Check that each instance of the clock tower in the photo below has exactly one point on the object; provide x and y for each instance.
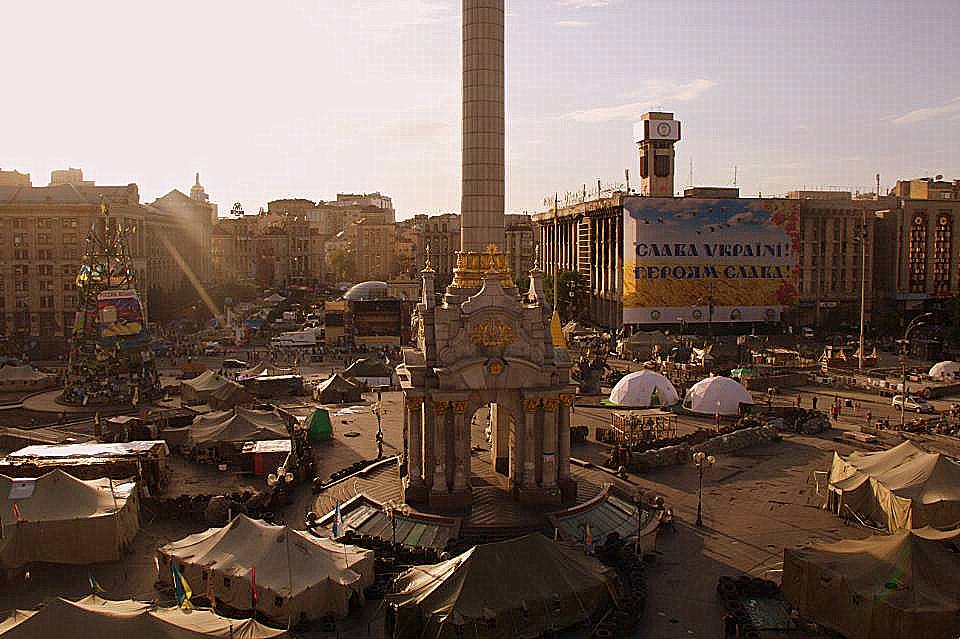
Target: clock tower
(655, 136)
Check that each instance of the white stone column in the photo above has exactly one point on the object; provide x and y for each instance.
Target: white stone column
(563, 436)
(549, 468)
(440, 446)
(483, 125)
(415, 440)
(461, 446)
(530, 407)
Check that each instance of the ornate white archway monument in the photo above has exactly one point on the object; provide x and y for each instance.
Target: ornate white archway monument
(485, 344)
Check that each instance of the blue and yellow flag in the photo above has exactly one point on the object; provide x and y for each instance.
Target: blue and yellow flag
(181, 587)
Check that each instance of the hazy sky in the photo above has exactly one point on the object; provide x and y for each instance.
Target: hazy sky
(308, 98)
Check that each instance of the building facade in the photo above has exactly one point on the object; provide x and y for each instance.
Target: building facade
(43, 233)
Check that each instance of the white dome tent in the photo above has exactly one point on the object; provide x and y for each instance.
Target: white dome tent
(945, 370)
(716, 395)
(643, 389)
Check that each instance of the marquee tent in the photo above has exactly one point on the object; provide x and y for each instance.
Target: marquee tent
(337, 390)
(944, 370)
(199, 389)
(237, 425)
(902, 487)
(266, 369)
(297, 575)
(96, 618)
(230, 395)
(644, 388)
(716, 394)
(65, 520)
(371, 371)
(896, 586)
(515, 588)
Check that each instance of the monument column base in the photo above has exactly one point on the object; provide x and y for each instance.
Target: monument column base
(539, 495)
(415, 493)
(568, 489)
(453, 500)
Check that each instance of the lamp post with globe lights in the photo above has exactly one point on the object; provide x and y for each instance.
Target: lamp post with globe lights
(394, 509)
(701, 459)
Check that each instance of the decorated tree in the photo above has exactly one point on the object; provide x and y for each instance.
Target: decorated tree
(110, 357)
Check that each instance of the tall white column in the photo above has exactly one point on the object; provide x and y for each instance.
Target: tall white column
(483, 126)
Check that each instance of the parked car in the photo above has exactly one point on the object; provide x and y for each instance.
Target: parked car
(913, 404)
(212, 348)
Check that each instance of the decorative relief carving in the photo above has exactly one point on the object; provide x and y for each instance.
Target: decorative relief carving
(460, 406)
(492, 333)
(495, 367)
(440, 407)
(414, 403)
(530, 404)
(567, 399)
(550, 404)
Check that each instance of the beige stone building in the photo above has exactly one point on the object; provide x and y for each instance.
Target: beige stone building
(14, 178)
(43, 231)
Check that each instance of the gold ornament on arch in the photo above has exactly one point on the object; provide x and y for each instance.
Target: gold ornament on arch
(492, 333)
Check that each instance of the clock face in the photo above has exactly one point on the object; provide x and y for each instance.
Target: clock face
(663, 129)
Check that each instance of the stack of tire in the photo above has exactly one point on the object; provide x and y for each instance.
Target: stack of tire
(733, 590)
(627, 613)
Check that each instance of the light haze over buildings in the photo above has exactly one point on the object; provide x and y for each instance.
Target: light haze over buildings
(309, 98)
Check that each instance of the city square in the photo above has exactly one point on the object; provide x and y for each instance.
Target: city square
(639, 407)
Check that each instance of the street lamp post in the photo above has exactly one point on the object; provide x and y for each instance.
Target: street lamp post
(392, 510)
(916, 322)
(701, 459)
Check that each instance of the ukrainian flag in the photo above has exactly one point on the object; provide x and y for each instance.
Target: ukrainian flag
(181, 587)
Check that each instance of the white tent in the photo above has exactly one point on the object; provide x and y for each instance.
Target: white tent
(643, 389)
(716, 395)
(65, 520)
(944, 370)
(297, 575)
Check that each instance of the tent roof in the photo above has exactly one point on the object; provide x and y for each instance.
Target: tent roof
(206, 381)
(369, 367)
(57, 496)
(705, 395)
(338, 383)
(230, 395)
(94, 618)
(530, 568)
(238, 425)
(636, 389)
(907, 472)
(264, 368)
(284, 558)
(911, 569)
(20, 373)
(944, 369)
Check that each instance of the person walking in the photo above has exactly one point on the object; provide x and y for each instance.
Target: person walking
(814, 402)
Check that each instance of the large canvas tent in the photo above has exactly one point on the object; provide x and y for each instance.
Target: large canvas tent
(899, 586)
(97, 618)
(716, 395)
(644, 388)
(902, 487)
(66, 520)
(371, 371)
(225, 430)
(509, 589)
(230, 395)
(337, 390)
(266, 369)
(199, 389)
(298, 576)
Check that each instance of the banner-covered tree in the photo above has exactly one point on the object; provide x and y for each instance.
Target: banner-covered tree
(110, 357)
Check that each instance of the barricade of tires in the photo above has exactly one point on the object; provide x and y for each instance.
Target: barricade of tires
(732, 591)
(629, 608)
